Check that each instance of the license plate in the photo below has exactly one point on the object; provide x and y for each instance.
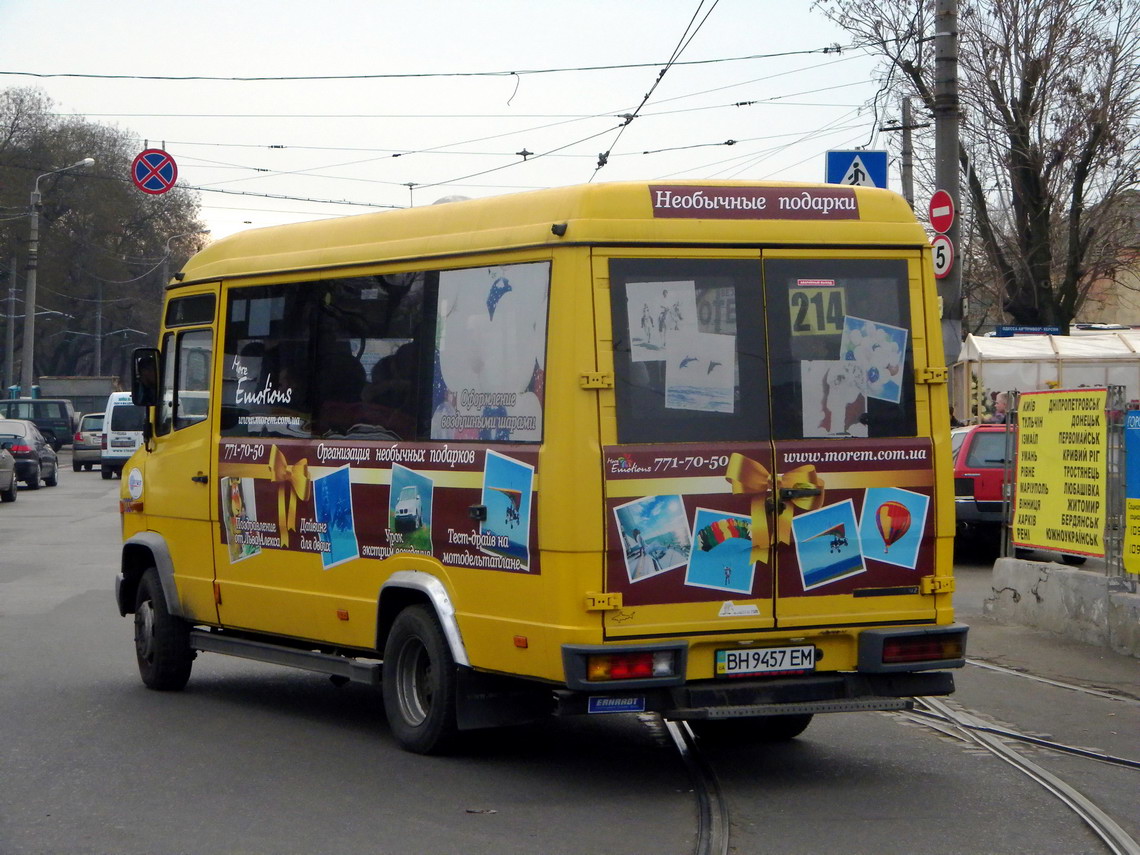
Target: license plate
(122, 443)
(765, 660)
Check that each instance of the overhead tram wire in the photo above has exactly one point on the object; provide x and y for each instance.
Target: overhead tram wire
(773, 100)
(686, 39)
(834, 48)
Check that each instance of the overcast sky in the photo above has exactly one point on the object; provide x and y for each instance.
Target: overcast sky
(290, 150)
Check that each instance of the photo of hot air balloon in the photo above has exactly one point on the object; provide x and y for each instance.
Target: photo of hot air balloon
(893, 524)
(824, 548)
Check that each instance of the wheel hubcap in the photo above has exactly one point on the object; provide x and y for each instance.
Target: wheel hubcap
(413, 683)
(144, 631)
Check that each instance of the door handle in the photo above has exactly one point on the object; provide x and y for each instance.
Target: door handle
(787, 494)
(200, 478)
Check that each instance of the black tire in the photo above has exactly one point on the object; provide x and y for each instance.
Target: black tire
(33, 483)
(162, 641)
(107, 472)
(10, 494)
(768, 728)
(1073, 560)
(53, 479)
(76, 467)
(419, 682)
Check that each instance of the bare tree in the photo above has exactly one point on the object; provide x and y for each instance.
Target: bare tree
(1050, 134)
(102, 242)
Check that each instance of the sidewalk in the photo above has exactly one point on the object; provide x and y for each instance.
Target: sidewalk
(1041, 653)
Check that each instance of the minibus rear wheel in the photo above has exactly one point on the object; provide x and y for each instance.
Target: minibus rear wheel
(419, 682)
(162, 641)
(766, 728)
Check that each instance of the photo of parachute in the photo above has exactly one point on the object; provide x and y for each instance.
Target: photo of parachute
(717, 532)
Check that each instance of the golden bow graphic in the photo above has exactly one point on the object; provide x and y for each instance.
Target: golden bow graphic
(292, 487)
(798, 488)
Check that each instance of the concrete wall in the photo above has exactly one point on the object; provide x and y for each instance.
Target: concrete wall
(1079, 604)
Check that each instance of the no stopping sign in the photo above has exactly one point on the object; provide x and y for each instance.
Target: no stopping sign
(154, 171)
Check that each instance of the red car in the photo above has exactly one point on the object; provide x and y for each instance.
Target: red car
(979, 470)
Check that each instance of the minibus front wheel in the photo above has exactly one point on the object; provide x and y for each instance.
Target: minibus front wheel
(162, 641)
(419, 682)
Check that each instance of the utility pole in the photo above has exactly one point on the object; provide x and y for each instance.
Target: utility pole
(907, 155)
(99, 327)
(907, 165)
(946, 169)
(10, 328)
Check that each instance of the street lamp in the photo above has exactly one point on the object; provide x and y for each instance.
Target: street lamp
(26, 367)
(166, 255)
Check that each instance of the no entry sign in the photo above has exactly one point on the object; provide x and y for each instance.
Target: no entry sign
(941, 211)
(154, 171)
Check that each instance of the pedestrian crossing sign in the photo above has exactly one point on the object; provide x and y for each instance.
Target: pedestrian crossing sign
(857, 168)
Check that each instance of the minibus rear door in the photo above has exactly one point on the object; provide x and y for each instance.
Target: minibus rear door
(853, 473)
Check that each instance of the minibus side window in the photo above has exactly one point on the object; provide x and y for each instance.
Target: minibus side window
(840, 347)
(164, 409)
(192, 390)
(185, 389)
(689, 350)
(489, 367)
(267, 361)
(369, 358)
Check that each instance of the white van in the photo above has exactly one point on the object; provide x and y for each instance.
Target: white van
(122, 433)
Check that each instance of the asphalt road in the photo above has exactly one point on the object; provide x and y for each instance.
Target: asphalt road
(253, 758)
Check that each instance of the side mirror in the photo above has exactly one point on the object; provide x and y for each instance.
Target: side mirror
(144, 377)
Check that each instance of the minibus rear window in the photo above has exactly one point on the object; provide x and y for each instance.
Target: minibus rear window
(840, 348)
(689, 350)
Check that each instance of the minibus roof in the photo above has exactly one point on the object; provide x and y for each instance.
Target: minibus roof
(620, 213)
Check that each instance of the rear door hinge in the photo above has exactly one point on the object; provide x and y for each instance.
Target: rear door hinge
(937, 584)
(603, 602)
(596, 380)
(932, 375)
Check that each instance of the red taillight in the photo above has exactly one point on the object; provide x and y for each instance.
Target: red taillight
(78, 437)
(920, 648)
(635, 665)
(20, 449)
(103, 442)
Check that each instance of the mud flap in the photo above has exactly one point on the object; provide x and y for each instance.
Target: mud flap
(491, 700)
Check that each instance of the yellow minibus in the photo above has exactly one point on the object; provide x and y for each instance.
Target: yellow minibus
(675, 448)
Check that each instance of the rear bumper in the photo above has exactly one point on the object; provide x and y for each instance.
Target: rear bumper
(969, 511)
(816, 693)
(25, 469)
(894, 664)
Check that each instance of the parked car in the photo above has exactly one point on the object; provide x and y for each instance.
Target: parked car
(55, 417)
(7, 476)
(87, 444)
(35, 458)
(979, 471)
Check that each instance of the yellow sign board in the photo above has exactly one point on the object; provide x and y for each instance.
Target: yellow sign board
(817, 309)
(1060, 500)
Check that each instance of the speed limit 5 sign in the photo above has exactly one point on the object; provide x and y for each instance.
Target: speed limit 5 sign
(943, 255)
